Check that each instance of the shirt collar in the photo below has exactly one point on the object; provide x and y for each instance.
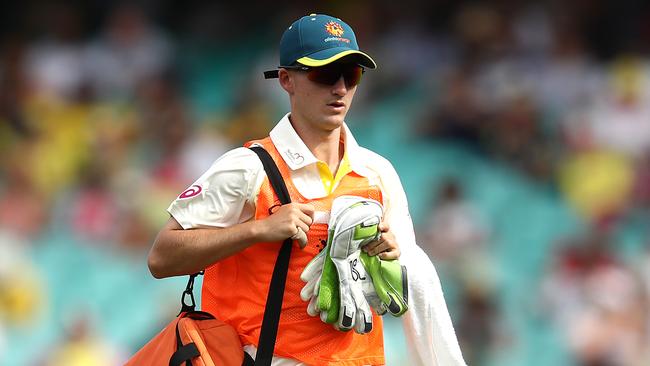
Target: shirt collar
(297, 155)
(294, 152)
(354, 153)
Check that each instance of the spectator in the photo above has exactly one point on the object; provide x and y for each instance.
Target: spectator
(94, 213)
(480, 326)
(459, 115)
(54, 63)
(597, 301)
(82, 346)
(22, 288)
(129, 51)
(618, 118)
(515, 135)
(19, 191)
(455, 227)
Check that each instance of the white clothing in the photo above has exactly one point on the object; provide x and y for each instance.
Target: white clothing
(225, 195)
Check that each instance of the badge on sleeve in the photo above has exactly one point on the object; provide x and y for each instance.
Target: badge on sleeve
(193, 191)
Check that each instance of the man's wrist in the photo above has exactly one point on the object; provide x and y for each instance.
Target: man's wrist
(254, 230)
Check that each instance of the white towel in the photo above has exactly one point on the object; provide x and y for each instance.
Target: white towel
(427, 325)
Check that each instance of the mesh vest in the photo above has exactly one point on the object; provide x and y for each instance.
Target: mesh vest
(235, 288)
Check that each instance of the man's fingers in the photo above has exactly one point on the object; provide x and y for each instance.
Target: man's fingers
(301, 237)
(370, 246)
(383, 227)
(305, 218)
(384, 249)
(307, 209)
(374, 244)
(302, 211)
(390, 254)
(302, 226)
(380, 247)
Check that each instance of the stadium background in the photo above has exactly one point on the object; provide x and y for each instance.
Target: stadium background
(520, 129)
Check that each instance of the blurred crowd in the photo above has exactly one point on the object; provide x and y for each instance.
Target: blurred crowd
(536, 90)
(101, 126)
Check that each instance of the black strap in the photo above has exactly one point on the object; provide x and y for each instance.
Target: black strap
(271, 320)
(248, 360)
(189, 291)
(184, 354)
(269, 331)
(273, 173)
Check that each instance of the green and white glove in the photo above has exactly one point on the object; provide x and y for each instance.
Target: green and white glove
(378, 276)
(334, 277)
(384, 284)
(389, 290)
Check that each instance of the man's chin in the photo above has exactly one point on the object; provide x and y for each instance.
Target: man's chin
(334, 122)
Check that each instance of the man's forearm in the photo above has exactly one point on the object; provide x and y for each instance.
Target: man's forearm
(179, 252)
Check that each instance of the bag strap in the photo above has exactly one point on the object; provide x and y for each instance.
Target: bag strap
(189, 291)
(184, 352)
(269, 331)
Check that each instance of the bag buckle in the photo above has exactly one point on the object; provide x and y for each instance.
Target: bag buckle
(189, 290)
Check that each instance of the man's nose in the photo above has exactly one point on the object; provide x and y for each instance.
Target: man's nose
(339, 88)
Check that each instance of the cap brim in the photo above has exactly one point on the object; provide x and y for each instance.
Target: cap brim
(330, 55)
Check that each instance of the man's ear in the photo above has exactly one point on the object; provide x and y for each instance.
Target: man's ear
(286, 80)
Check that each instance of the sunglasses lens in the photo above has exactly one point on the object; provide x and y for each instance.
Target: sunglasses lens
(324, 75)
(353, 75)
(329, 75)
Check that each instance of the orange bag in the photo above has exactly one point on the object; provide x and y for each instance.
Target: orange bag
(194, 338)
(197, 336)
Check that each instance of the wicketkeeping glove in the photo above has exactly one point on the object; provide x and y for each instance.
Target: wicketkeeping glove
(334, 277)
(390, 285)
(384, 283)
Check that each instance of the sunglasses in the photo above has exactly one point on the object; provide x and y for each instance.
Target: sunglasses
(330, 74)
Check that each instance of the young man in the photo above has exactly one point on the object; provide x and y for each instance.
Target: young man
(237, 225)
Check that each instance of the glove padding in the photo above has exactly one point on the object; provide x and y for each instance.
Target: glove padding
(378, 276)
(389, 290)
(336, 289)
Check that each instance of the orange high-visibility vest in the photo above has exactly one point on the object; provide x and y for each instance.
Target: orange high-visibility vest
(235, 289)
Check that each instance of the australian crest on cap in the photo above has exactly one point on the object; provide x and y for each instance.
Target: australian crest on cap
(336, 31)
(334, 28)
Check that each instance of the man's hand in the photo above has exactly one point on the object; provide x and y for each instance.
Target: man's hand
(288, 221)
(386, 247)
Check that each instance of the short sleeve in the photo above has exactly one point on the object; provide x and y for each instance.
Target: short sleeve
(224, 195)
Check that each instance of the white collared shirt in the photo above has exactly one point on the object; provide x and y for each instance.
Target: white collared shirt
(226, 195)
(229, 188)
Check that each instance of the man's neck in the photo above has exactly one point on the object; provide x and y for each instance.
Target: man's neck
(325, 145)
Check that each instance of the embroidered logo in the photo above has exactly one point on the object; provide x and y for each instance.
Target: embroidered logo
(296, 158)
(191, 192)
(334, 29)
